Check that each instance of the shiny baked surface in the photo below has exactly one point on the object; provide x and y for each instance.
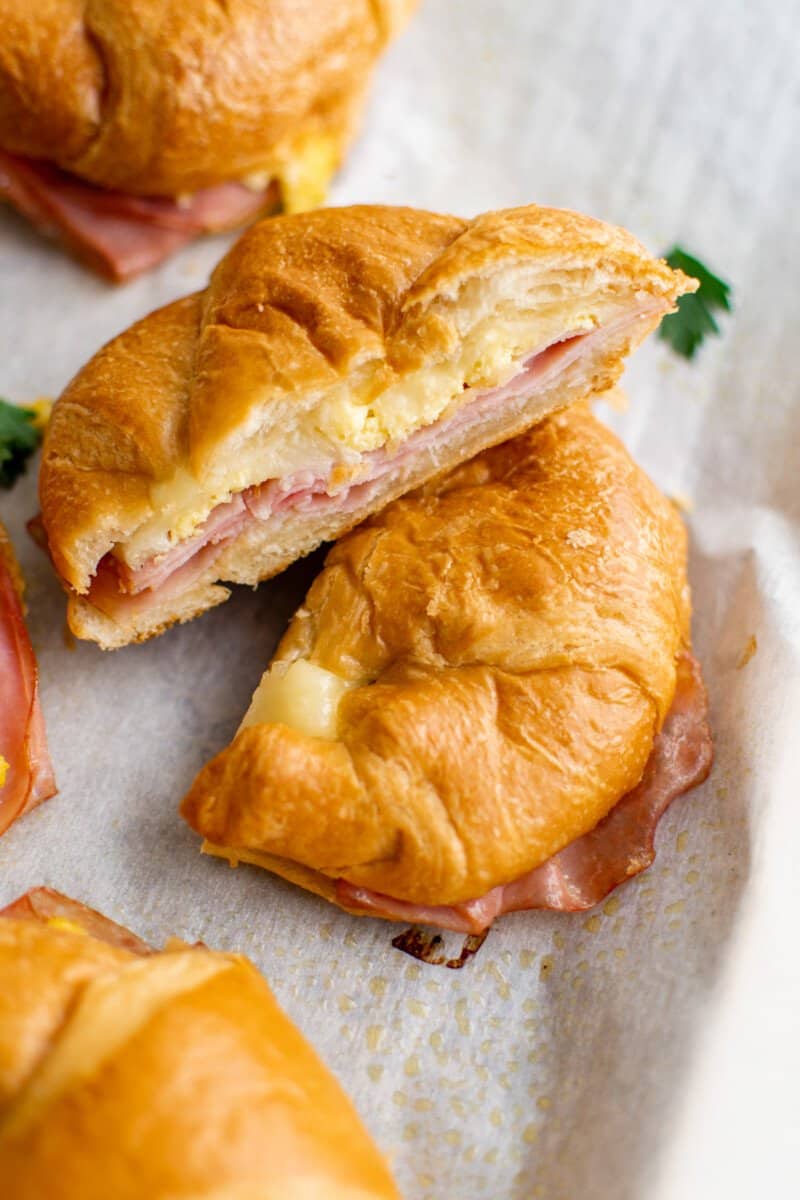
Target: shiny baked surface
(161, 1074)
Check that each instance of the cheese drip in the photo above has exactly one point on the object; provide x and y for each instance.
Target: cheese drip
(303, 696)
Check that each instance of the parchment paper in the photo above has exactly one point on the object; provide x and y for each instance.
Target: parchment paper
(651, 1048)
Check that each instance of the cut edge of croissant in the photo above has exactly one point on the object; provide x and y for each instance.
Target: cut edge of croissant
(256, 554)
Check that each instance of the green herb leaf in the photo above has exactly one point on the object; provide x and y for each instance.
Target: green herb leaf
(19, 437)
(686, 328)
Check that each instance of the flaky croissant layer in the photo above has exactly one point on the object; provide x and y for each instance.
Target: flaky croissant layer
(500, 650)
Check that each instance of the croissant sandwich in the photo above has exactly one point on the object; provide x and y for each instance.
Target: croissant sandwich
(126, 1073)
(486, 701)
(336, 360)
(128, 127)
(26, 773)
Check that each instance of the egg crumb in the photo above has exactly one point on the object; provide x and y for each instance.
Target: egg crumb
(66, 925)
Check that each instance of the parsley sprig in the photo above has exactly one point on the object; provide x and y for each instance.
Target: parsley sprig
(686, 328)
(20, 434)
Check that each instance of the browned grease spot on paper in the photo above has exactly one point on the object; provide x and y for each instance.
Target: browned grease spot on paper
(427, 947)
(751, 645)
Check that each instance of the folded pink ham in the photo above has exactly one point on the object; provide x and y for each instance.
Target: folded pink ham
(121, 235)
(620, 846)
(43, 904)
(28, 772)
(119, 591)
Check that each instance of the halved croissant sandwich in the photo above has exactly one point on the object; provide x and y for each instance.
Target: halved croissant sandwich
(336, 360)
(26, 773)
(129, 128)
(486, 700)
(126, 1073)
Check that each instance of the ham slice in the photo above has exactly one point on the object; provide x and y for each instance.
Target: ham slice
(223, 524)
(28, 774)
(620, 846)
(44, 905)
(108, 595)
(122, 235)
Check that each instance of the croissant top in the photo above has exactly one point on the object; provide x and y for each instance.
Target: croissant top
(163, 97)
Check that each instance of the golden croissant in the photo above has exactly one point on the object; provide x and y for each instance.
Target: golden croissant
(127, 1073)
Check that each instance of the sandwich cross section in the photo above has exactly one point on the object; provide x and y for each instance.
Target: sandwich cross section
(337, 360)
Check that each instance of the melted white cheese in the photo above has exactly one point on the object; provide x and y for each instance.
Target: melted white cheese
(303, 696)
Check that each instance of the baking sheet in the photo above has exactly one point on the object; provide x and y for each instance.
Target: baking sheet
(649, 1049)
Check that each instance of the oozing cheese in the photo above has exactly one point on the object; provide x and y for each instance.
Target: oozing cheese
(304, 696)
(304, 171)
(307, 173)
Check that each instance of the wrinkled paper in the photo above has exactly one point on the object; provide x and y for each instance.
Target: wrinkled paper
(650, 1048)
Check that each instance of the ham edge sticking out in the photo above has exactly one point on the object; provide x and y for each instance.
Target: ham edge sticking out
(117, 234)
(49, 907)
(620, 845)
(26, 763)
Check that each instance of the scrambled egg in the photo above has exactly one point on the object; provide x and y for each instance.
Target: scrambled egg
(305, 178)
(304, 172)
(42, 407)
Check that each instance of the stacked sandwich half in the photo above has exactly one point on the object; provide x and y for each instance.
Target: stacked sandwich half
(488, 697)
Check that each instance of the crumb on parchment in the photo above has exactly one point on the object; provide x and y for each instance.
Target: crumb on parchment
(750, 647)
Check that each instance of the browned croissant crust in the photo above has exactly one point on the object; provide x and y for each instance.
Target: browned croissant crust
(323, 340)
(164, 97)
(167, 1075)
(500, 650)
(8, 559)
